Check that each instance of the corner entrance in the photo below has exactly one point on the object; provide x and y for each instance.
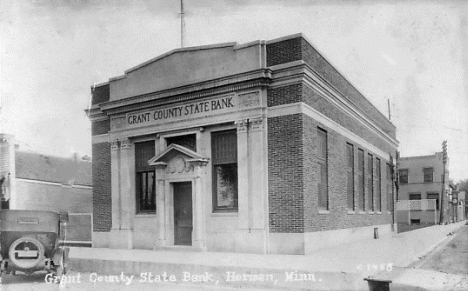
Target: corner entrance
(183, 215)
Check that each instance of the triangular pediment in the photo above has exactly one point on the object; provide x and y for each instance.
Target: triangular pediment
(175, 151)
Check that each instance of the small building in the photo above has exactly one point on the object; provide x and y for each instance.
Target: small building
(261, 147)
(422, 189)
(33, 181)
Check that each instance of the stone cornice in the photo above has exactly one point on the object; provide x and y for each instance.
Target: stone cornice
(257, 78)
(300, 72)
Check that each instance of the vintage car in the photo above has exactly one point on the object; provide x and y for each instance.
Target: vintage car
(29, 241)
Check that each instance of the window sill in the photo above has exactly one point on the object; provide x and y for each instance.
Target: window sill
(323, 211)
(225, 214)
(362, 212)
(146, 215)
(371, 212)
(379, 212)
(351, 212)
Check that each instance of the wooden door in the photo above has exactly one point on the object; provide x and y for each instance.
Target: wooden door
(183, 215)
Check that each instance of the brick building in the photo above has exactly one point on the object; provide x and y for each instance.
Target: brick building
(261, 147)
(421, 186)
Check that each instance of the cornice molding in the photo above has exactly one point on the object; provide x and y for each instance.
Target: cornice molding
(300, 72)
(257, 78)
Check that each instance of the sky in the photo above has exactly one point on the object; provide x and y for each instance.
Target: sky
(411, 54)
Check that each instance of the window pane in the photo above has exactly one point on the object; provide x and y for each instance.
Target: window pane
(403, 176)
(416, 196)
(151, 190)
(146, 195)
(350, 177)
(428, 174)
(378, 187)
(322, 144)
(361, 179)
(322, 187)
(226, 186)
(370, 180)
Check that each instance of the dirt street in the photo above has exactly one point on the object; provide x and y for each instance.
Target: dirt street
(451, 256)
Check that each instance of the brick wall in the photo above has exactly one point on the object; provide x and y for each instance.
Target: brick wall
(284, 51)
(329, 73)
(100, 94)
(321, 104)
(338, 217)
(102, 204)
(284, 95)
(299, 49)
(285, 173)
(100, 127)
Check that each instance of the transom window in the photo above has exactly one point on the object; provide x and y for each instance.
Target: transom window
(224, 158)
(189, 141)
(145, 178)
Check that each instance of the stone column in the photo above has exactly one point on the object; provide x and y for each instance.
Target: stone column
(115, 185)
(199, 228)
(127, 193)
(243, 176)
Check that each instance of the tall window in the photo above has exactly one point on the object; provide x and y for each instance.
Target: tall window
(322, 169)
(145, 178)
(350, 176)
(224, 157)
(378, 186)
(370, 181)
(428, 175)
(403, 176)
(435, 196)
(360, 169)
(389, 188)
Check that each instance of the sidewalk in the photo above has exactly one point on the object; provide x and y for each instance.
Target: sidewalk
(342, 268)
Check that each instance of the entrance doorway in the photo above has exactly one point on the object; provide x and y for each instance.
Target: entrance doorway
(183, 214)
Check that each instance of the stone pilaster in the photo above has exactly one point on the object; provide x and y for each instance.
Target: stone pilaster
(161, 240)
(243, 173)
(127, 191)
(258, 170)
(199, 226)
(115, 184)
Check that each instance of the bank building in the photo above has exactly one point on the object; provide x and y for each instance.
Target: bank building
(262, 147)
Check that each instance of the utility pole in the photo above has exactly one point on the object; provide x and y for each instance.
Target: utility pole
(389, 113)
(182, 24)
(444, 163)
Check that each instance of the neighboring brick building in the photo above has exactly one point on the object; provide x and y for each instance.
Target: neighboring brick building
(261, 147)
(421, 186)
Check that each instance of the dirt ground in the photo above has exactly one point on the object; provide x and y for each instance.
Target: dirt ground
(451, 256)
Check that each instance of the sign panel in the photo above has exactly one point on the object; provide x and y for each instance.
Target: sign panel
(204, 108)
